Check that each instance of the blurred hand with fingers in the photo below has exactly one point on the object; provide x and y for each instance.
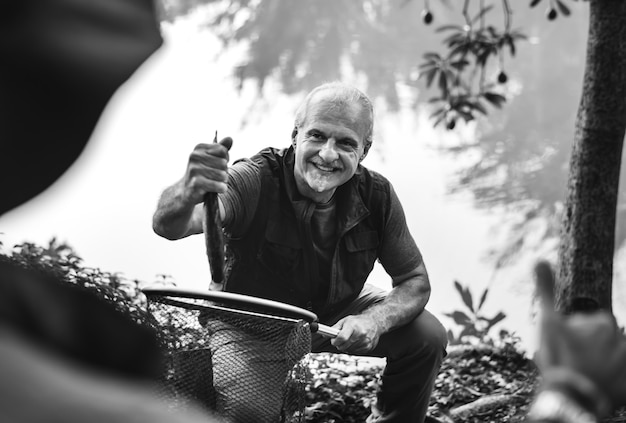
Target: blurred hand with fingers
(582, 358)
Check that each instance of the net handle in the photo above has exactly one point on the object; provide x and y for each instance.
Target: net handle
(324, 330)
(214, 238)
(274, 308)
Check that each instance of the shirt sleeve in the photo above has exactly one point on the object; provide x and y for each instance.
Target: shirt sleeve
(398, 253)
(242, 196)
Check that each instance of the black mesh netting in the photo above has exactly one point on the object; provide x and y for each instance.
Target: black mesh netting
(243, 364)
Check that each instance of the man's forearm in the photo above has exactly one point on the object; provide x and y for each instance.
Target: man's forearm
(173, 218)
(403, 303)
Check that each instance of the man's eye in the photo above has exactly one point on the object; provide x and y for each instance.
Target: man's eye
(347, 144)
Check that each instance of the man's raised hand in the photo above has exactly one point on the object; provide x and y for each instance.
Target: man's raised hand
(207, 170)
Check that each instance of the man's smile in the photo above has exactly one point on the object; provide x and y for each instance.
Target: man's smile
(325, 168)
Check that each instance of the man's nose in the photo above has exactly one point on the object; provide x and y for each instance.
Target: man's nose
(328, 153)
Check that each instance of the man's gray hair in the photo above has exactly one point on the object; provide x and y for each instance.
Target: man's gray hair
(342, 94)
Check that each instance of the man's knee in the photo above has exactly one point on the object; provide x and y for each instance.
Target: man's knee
(424, 335)
(429, 330)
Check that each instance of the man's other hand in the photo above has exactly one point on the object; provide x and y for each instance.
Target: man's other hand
(357, 334)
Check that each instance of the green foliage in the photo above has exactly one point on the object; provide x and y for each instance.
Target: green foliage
(461, 73)
(60, 260)
(475, 327)
(341, 389)
(473, 374)
(472, 49)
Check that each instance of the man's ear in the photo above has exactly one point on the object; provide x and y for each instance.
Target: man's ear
(365, 150)
(294, 133)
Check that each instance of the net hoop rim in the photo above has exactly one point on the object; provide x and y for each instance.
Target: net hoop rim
(234, 299)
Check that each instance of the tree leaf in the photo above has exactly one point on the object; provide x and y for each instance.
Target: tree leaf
(437, 112)
(467, 117)
(469, 331)
(482, 13)
(455, 39)
(495, 99)
(563, 8)
(511, 44)
(459, 64)
(466, 295)
(460, 318)
(450, 27)
(430, 76)
(482, 299)
(477, 106)
(443, 84)
(461, 49)
(458, 287)
(439, 119)
(431, 55)
(497, 318)
(493, 32)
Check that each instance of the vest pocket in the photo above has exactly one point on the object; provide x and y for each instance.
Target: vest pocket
(361, 241)
(361, 253)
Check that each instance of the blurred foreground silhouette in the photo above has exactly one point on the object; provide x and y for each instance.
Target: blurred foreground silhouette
(582, 359)
(67, 355)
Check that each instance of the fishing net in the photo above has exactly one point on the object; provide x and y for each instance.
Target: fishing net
(242, 363)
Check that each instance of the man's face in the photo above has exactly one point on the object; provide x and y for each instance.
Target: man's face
(328, 147)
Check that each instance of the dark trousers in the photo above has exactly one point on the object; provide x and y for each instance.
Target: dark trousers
(414, 353)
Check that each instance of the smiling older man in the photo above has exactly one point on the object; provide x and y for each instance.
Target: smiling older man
(304, 225)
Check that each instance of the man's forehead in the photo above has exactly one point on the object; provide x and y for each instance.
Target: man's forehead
(323, 105)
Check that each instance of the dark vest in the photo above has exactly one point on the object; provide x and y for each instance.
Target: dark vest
(275, 258)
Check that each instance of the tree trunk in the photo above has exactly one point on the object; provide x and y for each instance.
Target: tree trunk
(588, 227)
